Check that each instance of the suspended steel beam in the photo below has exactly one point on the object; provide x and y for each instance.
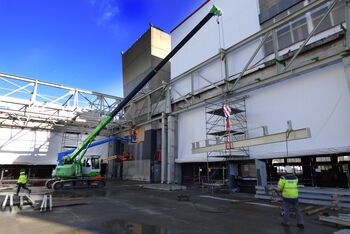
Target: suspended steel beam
(268, 139)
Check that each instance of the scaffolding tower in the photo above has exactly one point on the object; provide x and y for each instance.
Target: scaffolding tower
(217, 133)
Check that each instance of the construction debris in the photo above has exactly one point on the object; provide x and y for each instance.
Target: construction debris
(44, 203)
(306, 208)
(4, 203)
(29, 200)
(336, 220)
(312, 212)
(9, 199)
(311, 195)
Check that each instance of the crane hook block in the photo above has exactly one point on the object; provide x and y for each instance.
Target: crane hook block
(215, 11)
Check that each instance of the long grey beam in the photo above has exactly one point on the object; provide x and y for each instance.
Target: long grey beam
(268, 139)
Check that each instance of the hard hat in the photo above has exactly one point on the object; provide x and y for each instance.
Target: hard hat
(23, 170)
(288, 169)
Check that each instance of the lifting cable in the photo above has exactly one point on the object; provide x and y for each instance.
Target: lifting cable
(221, 45)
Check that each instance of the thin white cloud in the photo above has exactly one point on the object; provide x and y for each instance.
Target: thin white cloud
(107, 10)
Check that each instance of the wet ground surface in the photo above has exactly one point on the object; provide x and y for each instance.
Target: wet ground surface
(124, 207)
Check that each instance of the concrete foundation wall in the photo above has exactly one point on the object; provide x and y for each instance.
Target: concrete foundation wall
(139, 170)
(319, 100)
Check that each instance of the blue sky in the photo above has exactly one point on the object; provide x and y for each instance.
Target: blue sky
(78, 42)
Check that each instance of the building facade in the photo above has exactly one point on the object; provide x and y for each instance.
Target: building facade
(145, 110)
(281, 66)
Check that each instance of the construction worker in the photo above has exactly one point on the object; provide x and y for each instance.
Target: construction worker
(22, 182)
(288, 186)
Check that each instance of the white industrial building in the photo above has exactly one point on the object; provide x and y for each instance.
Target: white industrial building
(281, 66)
(250, 57)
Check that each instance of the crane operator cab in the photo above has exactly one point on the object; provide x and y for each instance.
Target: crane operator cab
(91, 166)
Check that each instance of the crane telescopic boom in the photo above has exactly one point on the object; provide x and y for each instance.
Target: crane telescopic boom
(104, 122)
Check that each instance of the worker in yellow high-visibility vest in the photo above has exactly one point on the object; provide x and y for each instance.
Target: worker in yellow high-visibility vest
(22, 181)
(288, 185)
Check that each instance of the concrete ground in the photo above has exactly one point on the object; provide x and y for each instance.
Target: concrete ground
(125, 207)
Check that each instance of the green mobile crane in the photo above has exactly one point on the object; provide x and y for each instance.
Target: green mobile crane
(78, 173)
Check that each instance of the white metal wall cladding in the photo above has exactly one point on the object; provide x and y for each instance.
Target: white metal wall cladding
(238, 21)
(191, 128)
(37, 147)
(319, 100)
(23, 146)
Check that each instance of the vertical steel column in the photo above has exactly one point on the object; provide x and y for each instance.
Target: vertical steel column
(171, 148)
(275, 49)
(261, 176)
(75, 98)
(347, 18)
(2, 175)
(168, 108)
(164, 153)
(101, 103)
(35, 90)
(309, 22)
(149, 107)
(192, 87)
(226, 72)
